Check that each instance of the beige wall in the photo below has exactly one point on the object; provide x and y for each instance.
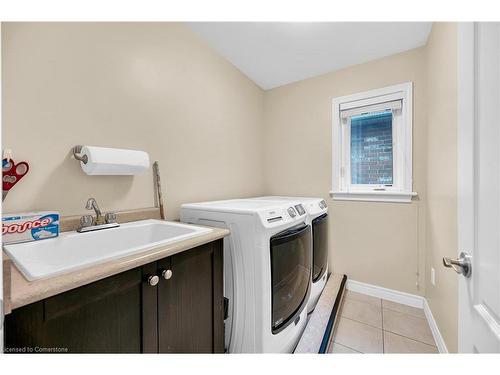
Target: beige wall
(442, 236)
(377, 243)
(150, 86)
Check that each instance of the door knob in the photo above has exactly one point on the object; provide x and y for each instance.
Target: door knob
(166, 274)
(153, 280)
(461, 265)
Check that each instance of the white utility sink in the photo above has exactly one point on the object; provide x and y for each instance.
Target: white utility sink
(73, 250)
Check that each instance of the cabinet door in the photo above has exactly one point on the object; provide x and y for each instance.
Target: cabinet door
(113, 315)
(190, 302)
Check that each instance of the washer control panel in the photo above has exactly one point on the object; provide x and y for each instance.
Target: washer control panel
(279, 216)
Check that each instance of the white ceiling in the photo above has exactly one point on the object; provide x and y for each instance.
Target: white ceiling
(277, 53)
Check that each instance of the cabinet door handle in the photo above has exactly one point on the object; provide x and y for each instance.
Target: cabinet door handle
(166, 274)
(153, 280)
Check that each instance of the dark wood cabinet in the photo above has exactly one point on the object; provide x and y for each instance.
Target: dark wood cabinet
(188, 319)
(125, 314)
(102, 317)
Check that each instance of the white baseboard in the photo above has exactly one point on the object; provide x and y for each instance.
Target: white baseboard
(434, 329)
(388, 294)
(403, 298)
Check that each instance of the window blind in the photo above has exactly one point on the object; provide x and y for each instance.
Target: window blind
(379, 107)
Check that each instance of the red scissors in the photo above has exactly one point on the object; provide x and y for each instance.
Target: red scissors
(11, 174)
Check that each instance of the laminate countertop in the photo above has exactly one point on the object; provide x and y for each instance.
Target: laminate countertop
(18, 291)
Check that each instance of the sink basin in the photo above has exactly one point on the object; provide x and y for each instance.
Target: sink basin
(72, 250)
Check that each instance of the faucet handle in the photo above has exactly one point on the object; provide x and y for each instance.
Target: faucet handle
(86, 221)
(110, 217)
(90, 203)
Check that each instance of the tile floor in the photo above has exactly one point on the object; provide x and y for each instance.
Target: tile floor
(371, 325)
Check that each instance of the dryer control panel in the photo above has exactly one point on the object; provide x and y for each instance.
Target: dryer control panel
(316, 207)
(279, 216)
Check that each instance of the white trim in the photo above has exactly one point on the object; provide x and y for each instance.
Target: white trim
(434, 329)
(392, 295)
(401, 191)
(373, 196)
(403, 298)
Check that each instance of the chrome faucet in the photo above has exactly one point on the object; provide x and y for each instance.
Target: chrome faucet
(92, 205)
(89, 223)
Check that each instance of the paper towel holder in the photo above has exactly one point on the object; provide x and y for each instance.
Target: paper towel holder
(76, 153)
(105, 161)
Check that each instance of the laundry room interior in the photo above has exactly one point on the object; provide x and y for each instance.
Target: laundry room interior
(235, 187)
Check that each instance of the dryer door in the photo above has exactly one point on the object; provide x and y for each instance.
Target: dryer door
(320, 246)
(291, 261)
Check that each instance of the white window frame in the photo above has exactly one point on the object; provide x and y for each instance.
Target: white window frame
(401, 190)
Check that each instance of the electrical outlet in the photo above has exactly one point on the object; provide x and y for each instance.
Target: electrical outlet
(433, 276)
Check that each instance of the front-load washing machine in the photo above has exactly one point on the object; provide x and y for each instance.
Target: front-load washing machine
(267, 271)
(317, 218)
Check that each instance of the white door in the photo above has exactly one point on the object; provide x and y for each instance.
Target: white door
(479, 186)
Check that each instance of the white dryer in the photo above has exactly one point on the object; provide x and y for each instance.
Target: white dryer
(267, 271)
(317, 218)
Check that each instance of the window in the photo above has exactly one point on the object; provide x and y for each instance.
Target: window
(371, 149)
(372, 145)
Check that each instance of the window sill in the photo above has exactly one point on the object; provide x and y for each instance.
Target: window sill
(373, 196)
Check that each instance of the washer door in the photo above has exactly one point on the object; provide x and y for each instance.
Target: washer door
(320, 246)
(291, 260)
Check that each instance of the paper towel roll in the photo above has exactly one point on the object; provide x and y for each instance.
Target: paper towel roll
(114, 161)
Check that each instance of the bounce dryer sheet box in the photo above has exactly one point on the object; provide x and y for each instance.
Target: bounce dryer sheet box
(32, 226)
